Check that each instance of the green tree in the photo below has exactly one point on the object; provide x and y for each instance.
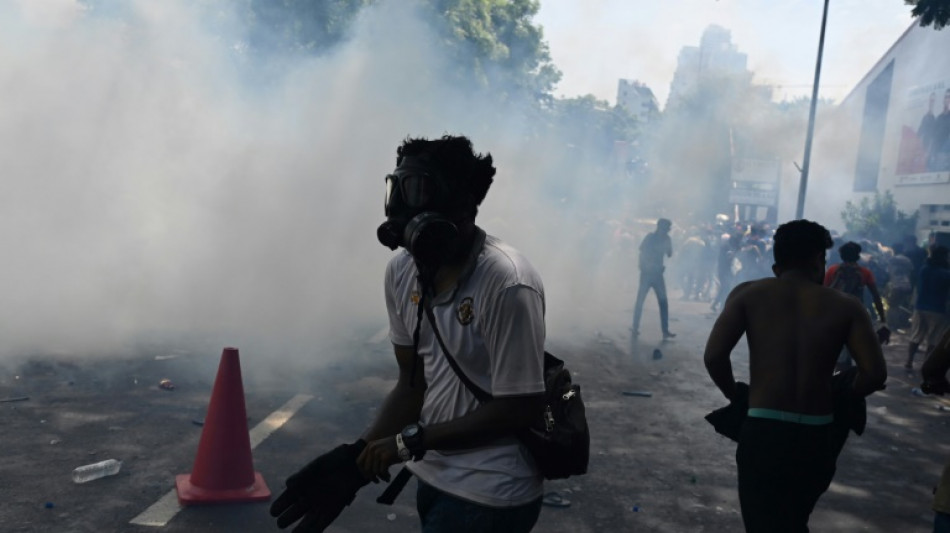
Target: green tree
(592, 126)
(496, 47)
(299, 26)
(936, 12)
(877, 218)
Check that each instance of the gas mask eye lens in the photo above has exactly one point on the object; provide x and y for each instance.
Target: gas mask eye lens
(415, 189)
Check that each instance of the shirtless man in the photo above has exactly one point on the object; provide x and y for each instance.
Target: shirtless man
(795, 329)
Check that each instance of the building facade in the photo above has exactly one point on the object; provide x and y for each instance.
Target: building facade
(892, 132)
(637, 99)
(715, 55)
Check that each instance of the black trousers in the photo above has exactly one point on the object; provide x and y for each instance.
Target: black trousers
(783, 469)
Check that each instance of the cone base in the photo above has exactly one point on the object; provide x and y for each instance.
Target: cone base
(189, 494)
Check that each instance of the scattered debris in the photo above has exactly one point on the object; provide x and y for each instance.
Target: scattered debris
(48, 505)
(391, 517)
(166, 384)
(198, 422)
(657, 354)
(636, 509)
(640, 393)
(917, 392)
(15, 399)
(553, 499)
(54, 442)
(165, 357)
(86, 473)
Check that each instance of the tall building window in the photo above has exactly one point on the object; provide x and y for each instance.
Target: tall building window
(876, 101)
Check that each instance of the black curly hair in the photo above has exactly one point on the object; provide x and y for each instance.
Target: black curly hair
(797, 242)
(850, 252)
(469, 174)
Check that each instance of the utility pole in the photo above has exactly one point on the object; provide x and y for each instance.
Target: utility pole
(811, 119)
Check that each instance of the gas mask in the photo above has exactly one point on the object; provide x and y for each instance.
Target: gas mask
(417, 197)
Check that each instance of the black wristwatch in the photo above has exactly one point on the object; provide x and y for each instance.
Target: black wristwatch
(411, 437)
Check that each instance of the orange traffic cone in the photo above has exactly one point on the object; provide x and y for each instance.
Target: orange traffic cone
(223, 470)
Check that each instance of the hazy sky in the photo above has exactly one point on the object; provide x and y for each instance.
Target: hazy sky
(596, 42)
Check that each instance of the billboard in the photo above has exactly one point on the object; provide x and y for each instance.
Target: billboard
(755, 182)
(923, 156)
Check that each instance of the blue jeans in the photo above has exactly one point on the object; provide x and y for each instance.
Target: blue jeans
(444, 513)
(651, 280)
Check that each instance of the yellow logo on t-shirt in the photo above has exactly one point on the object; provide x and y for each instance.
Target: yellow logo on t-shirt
(414, 297)
(466, 311)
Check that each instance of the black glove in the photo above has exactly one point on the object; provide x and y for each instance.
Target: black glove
(937, 387)
(319, 491)
(884, 335)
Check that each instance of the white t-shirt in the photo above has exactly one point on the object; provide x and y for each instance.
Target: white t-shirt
(493, 323)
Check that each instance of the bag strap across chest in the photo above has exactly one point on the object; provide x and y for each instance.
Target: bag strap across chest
(480, 394)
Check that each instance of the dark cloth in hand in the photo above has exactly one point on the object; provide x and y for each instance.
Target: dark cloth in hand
(320, 491)
(728, 420)
(850, 411)
(884, 335)
(938, 387)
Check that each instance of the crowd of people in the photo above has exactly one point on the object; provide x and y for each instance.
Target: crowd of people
(710, 260)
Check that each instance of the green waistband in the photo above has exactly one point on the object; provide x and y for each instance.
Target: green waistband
(785, 416)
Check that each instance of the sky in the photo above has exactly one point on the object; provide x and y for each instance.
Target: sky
(596, 42)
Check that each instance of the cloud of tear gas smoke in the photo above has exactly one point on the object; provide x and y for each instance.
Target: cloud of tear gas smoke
(154, 190)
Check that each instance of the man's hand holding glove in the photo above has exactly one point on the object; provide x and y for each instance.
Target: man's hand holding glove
(320, 491)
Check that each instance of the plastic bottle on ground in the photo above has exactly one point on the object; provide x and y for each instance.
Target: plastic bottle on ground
(85, 473)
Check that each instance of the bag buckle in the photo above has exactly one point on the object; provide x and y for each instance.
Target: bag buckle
(568, 395)
(548, 419)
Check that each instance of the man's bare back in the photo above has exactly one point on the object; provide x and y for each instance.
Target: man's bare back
(789, 439)
(795, 330)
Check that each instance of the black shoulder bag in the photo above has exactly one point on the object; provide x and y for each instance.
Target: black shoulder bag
(558, 438)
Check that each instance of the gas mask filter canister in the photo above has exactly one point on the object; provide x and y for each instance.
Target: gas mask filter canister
(415, 197)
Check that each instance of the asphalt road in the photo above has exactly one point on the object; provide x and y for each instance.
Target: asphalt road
(656, 465)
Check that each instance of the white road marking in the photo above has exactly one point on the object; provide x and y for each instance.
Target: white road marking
(162, 511)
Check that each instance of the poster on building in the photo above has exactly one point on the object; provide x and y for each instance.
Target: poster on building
(923, 156)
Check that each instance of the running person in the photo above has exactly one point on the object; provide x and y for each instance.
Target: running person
(795, 329)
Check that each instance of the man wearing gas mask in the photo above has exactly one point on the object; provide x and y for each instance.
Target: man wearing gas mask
(487, 303)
